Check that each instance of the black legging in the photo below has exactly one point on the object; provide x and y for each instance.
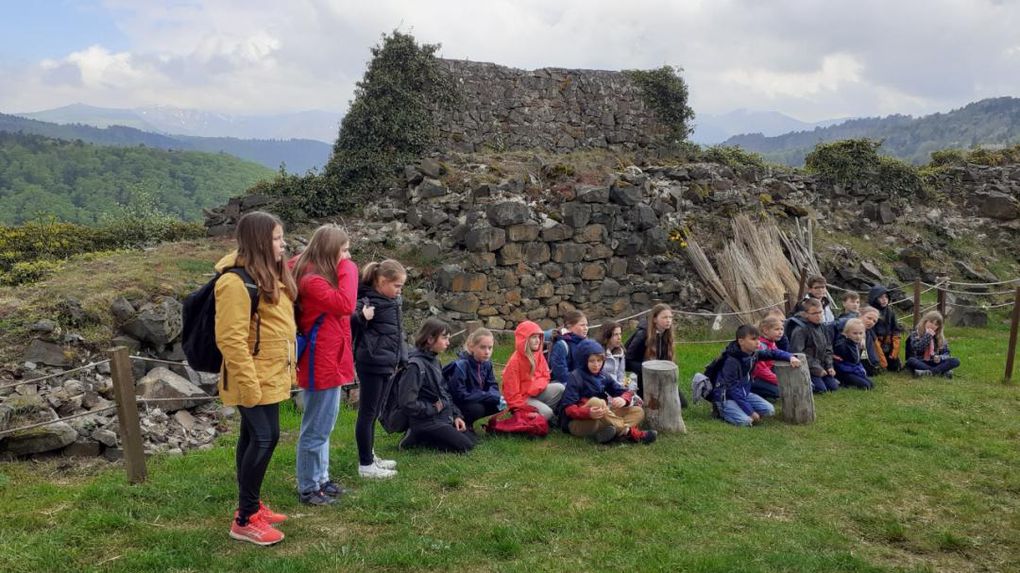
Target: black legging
(855, 381)
(472, 411)
(444, 438)
(370, 389)
(260, 431)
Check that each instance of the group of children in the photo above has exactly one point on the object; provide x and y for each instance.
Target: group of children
(352, 324)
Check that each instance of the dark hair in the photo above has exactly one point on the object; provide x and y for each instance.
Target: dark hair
(810, 303)
(746, 330)
(607, 332)
(653, 336)
(430, 332)
(572, 317)
(851, 295)
(815, 281)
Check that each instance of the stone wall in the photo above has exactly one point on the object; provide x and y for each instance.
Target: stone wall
(550, 108)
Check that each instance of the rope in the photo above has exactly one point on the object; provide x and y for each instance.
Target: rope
(845, 289)
(186, 398)
(981, 307)
(703, 341)
(157, 360)
(714, 314)
(71, 417)
(1010, 281)
(996, 293)
(57, 375)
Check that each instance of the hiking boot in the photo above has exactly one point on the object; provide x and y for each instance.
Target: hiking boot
(256, 531)
(643, 436)
(270, 516)
(408, 441)
(315, 498)
(604, 435)
(332, 489)
(384, 464)
(373, 471)
(948, 374)
(921, 373)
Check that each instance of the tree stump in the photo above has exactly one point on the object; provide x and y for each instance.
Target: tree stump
(796, 399)
(662, 396)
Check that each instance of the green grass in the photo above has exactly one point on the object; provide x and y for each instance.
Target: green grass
(913, 476)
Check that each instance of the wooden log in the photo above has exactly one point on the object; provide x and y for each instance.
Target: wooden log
(796, 400)
(127, 414)
(662, 396)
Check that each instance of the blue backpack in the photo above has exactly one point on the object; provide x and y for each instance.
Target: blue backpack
(307, 342)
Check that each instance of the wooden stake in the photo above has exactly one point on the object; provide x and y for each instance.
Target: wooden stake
(798, 404)
(802, 285)
(917, 301)
(942, 301)
(662, 402)
(1013, 324)
(127, 414)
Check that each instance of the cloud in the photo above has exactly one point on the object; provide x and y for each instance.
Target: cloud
(810, 59)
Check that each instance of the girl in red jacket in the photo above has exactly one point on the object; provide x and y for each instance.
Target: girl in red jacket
(327, 289)
(526, 376)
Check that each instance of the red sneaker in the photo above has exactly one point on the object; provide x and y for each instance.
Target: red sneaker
(257, 531)
(271, 517)
(645, 437)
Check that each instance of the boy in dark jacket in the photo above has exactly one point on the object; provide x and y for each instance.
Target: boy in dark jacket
(811, 338)
(817, 290)
(887, 330)
(595, 405)
(732, 394)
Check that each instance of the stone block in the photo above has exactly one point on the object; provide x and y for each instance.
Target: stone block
(598, 252)
(522, 233)
(161, 383)
(430, 188)
(626, 195)
(508, 213)
(568, 252)
(467, 303)
(557, 232)
(591, 234)
(576, 215)
(537, 253)
(484, 239)
(587, 194)
(510, 254)
(593, 272)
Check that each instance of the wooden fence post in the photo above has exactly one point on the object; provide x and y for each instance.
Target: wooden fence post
(798, 403)
(1013, 324)
(941, 300)
(662, 400)
(917, 301)
(801, 286)
(787, 303)
(127, 414)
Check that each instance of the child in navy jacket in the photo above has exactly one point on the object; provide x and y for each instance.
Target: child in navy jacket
(471, 381)
(848, 355)
(561, 355)
(732, 393)
(596, 406)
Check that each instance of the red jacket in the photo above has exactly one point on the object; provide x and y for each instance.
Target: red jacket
(334, 357)
(763, 368)
(519, 383)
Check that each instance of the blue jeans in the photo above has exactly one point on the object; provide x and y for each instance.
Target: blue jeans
(317, 421)
(823, 384)
(732, 413)
(940, 368)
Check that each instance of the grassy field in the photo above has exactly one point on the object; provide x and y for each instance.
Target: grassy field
(917, 475)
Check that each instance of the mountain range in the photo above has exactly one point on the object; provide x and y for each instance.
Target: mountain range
(712, 129)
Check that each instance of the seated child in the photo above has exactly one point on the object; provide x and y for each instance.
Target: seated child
(810, 337)
(851, 306)
(434, 420)
(816, 289)
(471, 381)
(927, 349)
(616, 363)
(887, 330)
(784, 341)
(595, 406)
(848, 353)
(526, 376)
(763, 380)
(732, 395)
(652, 340)
(870, 361)
(575, 329)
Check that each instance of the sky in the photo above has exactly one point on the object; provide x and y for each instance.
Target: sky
(810, 59)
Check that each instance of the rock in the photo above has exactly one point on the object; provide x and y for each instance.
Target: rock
(537, 253)
(106, 437)
(591, 234)
(430, 188)
(592, 194)
(508, 213)
(47, 353)
(44, 326)
(510, 254)
(575, 215)
(156, 323)
(557, 232)
(82, 448)
(644, 217)
(162, 383)
(568, 252)
(593, 272)
(185, 419)
(430, 168)
(484, 239)
(972, 317)
(28, 410)
(411, 175)
(453, 279)
(207, 381)
(129, 342)
(995, 205)
(467, 303)
(971, 273)
(913, 256)
(122, 309)
(885, 213)
(625, 195)
(871, 271)
(522, 233)
(905, 272)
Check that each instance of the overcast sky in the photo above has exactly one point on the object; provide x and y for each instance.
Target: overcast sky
(812, 60)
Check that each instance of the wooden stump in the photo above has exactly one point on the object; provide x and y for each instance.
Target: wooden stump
(798, 403)
(662, 397)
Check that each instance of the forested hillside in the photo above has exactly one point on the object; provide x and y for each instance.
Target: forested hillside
(299, 155)
(80, 182)
(990, 122)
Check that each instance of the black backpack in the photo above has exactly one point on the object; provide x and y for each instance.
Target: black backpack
(198, 337)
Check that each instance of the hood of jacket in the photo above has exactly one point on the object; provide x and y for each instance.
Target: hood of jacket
(229, 260)
(525, 330)
(875, 292)
(584, 349)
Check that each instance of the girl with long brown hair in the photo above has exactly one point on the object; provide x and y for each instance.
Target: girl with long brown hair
(652, 340)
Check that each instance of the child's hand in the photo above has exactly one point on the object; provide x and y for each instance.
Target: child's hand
(459, 424)
(930, 330)
(617, 402)
(831, 371)
(936, 359)
(597, 412)
(795, 362)
(439, 405)
(755, 417)
(368, 312)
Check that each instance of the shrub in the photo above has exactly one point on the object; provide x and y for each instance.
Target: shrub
(665, 91)
(855, 163)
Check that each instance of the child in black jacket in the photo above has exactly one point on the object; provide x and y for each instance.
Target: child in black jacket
(810, 337)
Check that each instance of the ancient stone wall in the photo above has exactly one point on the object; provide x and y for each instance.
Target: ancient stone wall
(550, 108)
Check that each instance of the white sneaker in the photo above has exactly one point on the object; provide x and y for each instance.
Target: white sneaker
(373, 471)
(384, 464)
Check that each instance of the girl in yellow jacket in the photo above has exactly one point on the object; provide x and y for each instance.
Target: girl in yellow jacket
(258, 361)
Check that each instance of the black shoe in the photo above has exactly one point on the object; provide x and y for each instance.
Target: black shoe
(315, 498)
(408, 441)
(948, 374)
(332, 489)
(649, 436)
(605, 435)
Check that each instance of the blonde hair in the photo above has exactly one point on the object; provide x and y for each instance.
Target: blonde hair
(476, 335)
(255, 253)
(770, 322)
(323, 253)
(530, 354)
(389, 269)
(933, 316)
(851, 323)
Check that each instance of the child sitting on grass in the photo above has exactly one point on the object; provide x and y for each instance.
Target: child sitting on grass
(763, 380)
(817, 290)
(471, 381)
(596, 406)
(732, 394)
(851, 306)
(869, 316)
(849, 353)
(811, 338)
(887, 330)
(927, 349)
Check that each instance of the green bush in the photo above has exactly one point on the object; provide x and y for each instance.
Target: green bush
(665, 91)
(28, 272)
(856, 163)
(733, 156)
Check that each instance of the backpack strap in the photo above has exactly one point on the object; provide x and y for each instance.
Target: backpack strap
(313, 335)
(253, 294)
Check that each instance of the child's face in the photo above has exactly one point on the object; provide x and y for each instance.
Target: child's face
(616, 339)
(748, 344)
(883, 301)
(813, 315)
(817, 291)
(581, 328)
(535, 342)
(595, 362)
(932, 326)
(481, 351)
(279, 245)
(852, 304)
(390, 288)
(773, 333)
(345, 252)
(856, 333)
(869, 320)
(664, 321)
(441, 343)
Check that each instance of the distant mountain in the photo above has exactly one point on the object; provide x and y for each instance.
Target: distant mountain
(299, 155)
(990, 122)
(318, 125)
(711, 129)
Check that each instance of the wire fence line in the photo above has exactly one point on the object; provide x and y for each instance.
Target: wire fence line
(48, 422)
(57, 375)
(997, 283)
